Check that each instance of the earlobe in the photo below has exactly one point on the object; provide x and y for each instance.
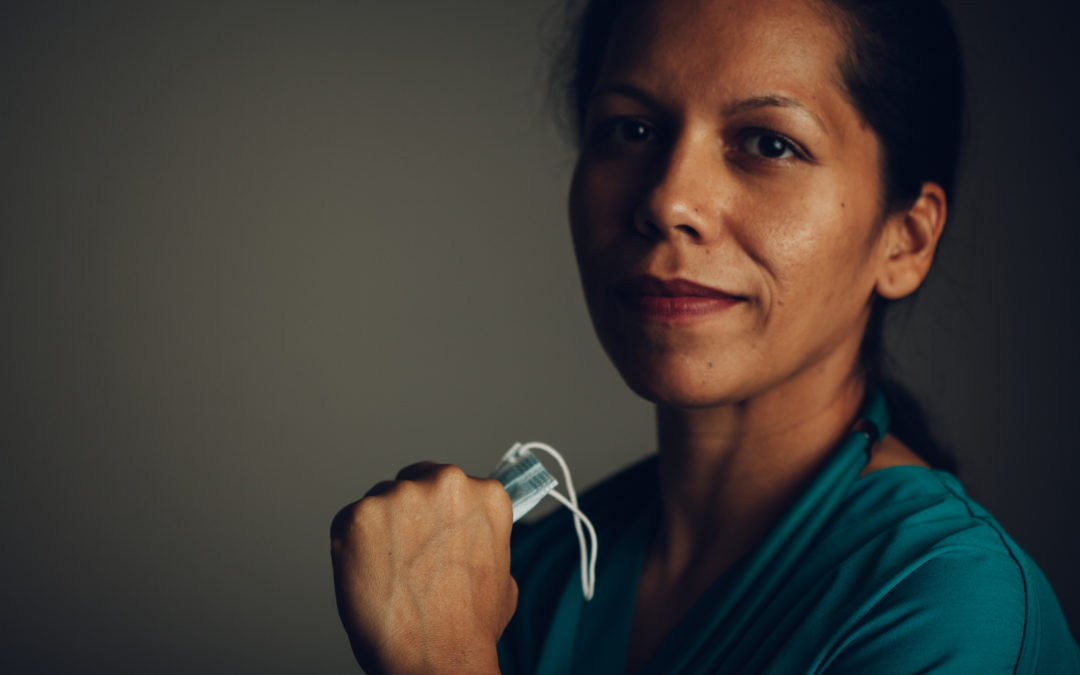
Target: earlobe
(909, 242)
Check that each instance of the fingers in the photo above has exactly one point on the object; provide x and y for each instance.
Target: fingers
(495, 495)
(436, 477)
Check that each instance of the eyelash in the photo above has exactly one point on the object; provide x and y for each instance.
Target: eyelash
(606, 132)
(790, 146)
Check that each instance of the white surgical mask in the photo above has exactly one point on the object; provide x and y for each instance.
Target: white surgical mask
(527, 482)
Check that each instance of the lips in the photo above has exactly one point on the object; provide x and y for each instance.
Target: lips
(674, 299)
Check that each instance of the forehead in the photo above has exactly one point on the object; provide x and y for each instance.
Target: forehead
(727, 48)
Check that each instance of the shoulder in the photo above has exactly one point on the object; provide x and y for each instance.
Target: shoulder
(958, 611)
(946, 589)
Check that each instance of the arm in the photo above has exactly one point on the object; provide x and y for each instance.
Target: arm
(961, 612)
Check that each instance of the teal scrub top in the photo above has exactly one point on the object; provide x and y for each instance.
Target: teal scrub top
(898, 571)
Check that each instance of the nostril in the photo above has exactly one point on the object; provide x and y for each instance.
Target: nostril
(648, 229)
(687, 229)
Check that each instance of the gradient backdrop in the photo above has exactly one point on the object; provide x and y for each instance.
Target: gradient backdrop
(255, 256)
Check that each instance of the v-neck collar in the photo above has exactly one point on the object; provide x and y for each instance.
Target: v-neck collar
(594, 637)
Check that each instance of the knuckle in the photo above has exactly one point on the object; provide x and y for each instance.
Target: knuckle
(366, 513)
(512, 591)
(511, 600)
(363, 509)
(450, 474)
(415, 470)
(401, 492)
(493, 488)
(339, 526)
(497, 499)
(450, 481)
(382, 487)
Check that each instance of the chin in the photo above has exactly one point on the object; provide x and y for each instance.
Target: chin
(680, 385)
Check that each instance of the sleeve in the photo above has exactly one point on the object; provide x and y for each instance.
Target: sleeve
(964, 611)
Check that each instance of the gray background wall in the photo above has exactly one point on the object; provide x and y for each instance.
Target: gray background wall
(255, 256)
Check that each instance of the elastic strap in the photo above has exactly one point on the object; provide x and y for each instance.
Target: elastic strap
(588, 557)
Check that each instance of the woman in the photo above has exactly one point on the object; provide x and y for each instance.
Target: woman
(756, 179)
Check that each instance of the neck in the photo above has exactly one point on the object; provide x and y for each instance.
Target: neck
(728, 472)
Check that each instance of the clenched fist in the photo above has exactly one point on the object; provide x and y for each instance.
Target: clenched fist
(422, 572)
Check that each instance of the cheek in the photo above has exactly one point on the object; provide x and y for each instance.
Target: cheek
(816, 249)
(601, 208)
(599, 205)
(580, 211)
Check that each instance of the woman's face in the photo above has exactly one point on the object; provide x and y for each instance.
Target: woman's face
(725, 206)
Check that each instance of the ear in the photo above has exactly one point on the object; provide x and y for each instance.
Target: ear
(908, 242)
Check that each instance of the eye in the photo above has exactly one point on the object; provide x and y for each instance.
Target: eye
(768, 145)
(624, 130)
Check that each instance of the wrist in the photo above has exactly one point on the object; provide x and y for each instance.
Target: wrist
(463, 658)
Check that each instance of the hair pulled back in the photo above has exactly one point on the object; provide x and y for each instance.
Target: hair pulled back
(902, 72)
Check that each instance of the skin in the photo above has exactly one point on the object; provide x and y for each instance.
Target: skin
(720, 149)
(422, 572)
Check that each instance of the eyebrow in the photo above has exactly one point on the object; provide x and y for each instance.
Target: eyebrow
(775, 101)
(743, 105)
(628, 90)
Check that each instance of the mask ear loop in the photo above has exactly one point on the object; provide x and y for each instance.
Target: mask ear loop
(588, 558)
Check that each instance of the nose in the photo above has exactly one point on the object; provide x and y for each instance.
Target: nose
(681, 199)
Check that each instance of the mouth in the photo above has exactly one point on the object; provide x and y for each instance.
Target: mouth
(674, 299)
